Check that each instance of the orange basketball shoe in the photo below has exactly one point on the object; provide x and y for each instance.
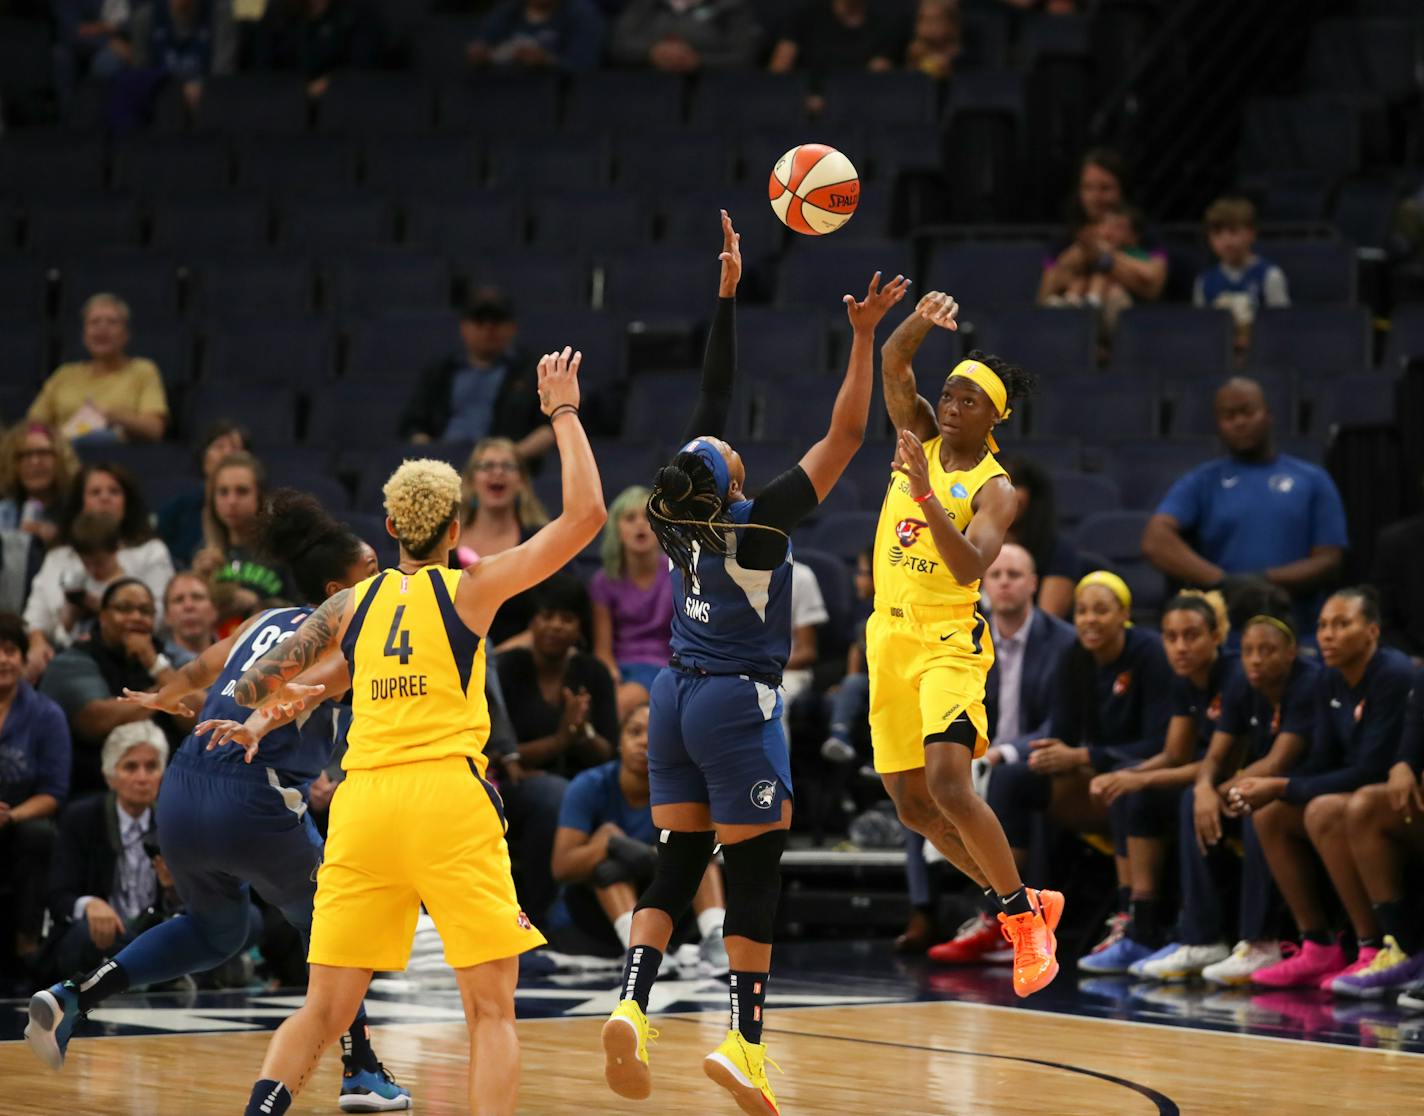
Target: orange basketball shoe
(1035, 963)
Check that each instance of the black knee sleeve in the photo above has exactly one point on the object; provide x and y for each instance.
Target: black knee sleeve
(753, 871)
(682, 861)
(961, 730)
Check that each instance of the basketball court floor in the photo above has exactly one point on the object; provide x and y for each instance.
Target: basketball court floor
(854, 1030)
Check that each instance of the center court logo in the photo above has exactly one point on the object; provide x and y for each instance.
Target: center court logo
(764, 794)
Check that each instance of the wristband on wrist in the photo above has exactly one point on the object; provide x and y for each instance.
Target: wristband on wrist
(922, 499)
(560, 409)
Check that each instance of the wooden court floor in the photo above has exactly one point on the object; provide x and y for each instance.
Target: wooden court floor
(886, 1058)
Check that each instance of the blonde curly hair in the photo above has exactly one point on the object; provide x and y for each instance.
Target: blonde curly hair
(422, 499)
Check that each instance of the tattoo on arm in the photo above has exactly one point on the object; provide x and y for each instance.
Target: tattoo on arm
(290, 657)
(901, 392)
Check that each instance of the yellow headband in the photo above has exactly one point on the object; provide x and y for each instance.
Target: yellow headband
(977, 372)
(1109, 581)
(1280, 625)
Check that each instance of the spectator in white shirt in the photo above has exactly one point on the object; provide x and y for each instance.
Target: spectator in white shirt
(808, 611)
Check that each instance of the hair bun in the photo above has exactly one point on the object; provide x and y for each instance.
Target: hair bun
(674, 482)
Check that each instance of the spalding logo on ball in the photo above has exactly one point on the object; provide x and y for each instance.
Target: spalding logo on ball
(814, 189)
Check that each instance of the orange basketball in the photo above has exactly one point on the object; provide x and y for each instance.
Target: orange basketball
(814, 189)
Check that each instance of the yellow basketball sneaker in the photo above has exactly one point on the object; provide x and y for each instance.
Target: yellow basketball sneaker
(739, 1067)
(625, 1047)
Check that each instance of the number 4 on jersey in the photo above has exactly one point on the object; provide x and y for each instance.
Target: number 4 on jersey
(401, 647)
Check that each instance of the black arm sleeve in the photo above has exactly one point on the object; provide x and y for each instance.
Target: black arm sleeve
(719, 370)
(783, 504)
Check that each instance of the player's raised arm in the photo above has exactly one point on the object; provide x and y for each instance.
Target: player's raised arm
(719, 362)
(909, 410)
(320, 632)
(493, 580)
(826, 460)
(191, 678)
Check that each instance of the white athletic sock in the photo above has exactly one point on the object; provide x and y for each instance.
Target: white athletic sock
(710, 919)
(623, 927)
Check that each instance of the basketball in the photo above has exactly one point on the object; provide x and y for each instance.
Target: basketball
(814, 189)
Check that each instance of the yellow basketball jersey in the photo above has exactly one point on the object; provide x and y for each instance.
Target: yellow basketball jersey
(417, 673)
(908, 567)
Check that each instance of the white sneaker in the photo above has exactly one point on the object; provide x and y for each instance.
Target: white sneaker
(712, 953)
(1184, 962)
(1245, 959)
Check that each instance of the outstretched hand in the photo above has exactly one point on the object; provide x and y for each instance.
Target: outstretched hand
(939, 309)
(865, 315)
(230, 732)
(731, 258)
(150, 699)
(910, 460)
(291, 698)
(558, 380)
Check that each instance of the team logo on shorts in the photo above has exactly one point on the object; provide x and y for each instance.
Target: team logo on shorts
(764, 794)
(524, 923)
(908, 530)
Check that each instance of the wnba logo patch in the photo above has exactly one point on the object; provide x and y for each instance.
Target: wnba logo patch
(764, 794)
(524, 923)
(908, 530)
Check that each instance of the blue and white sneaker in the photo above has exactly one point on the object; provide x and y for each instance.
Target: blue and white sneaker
(53, 1013)
(1117, 958)
(1137, 968)
(366, 1089)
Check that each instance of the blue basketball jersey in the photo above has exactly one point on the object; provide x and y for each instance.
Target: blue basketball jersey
(298, 751)
(731, 620)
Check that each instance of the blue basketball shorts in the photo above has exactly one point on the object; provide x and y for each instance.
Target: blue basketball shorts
(718, 739)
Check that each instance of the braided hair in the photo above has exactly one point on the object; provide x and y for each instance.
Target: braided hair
(686, 510)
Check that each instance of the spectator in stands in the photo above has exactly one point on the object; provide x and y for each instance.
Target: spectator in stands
(184, 41)
(1056, 563)
(34, 782)
(938, 39)
(1396, 575)
(1102, 188)
(565, 715)
(486, 391)
(808, 612)
(191, 616)
(1240, 281)
(111, 395)
(1110, 709)
(1253, 514)
(103, 888)
(88, 679)
(1359, 721)
(1380, 834)
(684, 36)
(1092, 281)
(180, 521)
(37, 470)
(1144, 799)
(849, 702)
(319, 37)
(1029, 648)
(91, 39)
(21, 556)
(607, 843)
(64, 599)
(834, 36)
(240, 577)
(540, 34)
(632, 601)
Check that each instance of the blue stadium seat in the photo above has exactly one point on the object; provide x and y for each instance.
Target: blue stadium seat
(522, 163)
(42, 165)
(524, 105)
(1174, 339)
(986, 91)
(1312, 338)
(1375, 57)
(1146, 469)
(530, 276)
(1291, 196)
(438, 44)
(604, 221)
(162, 166)
(375, 280)
(987, 31)
(1300, 133)
(244, 103)
(843, 534)
(657, 282)
(1044, 340)
(372, 408)
(795, 410)
(166, 342)
(397, 347)
(255, 284)
(1077, 495)
(1316, 270)
(399, 166)
(869, 471)
(1052, 36)
(690, 221)
(1191, 401)
(833, 578)
(23, 359)
(1117, 536)
(276, 164)
(657, 166)
(1406, 336)
(904, 96)
(1349, 399)
(774, 343)
(291, 466)
(621, 464)
(371, 528)
(765, 459)
(659, 404)
(601, 337)
(1114, 407)
(367, 104)
(61, 229)
(149, 284)
(193, 227)
(26, 60)
(321, 223)
(1053, 454)
(326, 488)
(732, 101)
(624, 102)
(370, 466)
(466, 223)
(22, 290)
(298, 352)
(819, 274)
(987, 274)
(1364, 211)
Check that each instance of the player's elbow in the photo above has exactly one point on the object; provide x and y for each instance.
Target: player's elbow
(1156, 538)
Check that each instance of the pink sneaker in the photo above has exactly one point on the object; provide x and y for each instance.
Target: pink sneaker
(1304, 966)
(1367, 954)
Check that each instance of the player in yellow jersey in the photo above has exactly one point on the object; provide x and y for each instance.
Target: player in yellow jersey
(928, 651)
(415, 821)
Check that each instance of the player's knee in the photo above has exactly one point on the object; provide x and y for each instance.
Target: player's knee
(1364, 810)
(1324, 815)
(915, 809)
(953, 795)
(682, 860)
(753, 885)
(227, 936)
(1270, 820)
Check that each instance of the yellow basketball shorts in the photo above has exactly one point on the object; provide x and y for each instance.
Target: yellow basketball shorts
(430, 832)
(927, 665)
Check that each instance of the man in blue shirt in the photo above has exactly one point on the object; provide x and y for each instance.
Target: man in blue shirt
(607, 843)
(1254, 513)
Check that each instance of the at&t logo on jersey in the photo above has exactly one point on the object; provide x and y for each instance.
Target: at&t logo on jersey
(908, 532)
